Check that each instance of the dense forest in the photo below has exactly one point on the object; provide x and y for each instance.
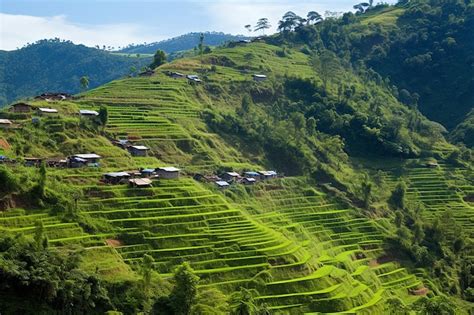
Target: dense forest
(371, 211)
(57, 66)
(183, 42)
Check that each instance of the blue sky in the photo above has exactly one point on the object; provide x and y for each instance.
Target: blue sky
(121, 22)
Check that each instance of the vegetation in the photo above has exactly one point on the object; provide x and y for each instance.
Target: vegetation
(373, 213)
(56, 66)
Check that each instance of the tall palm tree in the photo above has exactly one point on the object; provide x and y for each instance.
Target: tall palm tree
(313, 17)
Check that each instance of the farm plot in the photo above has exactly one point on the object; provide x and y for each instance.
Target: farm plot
(336, 237)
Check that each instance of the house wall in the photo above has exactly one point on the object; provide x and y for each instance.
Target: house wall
(167, 175)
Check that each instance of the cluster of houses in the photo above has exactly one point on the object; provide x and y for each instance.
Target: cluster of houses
(193, 78)
(228, 178)
(73, 161)
(25, 108)
(142, 177)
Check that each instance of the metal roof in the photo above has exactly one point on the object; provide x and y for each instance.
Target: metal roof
(88, 112)
(169, 169)
(233, 174)
(140, 147)
(87, 156)
(5, 122)
(48, 110)
(222, 183)
(117, 174)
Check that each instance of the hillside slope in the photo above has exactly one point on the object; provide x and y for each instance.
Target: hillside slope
(424, 48)
(57, 66)
(312, 241)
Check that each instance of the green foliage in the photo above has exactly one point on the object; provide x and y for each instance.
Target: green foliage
(397, 199)
(8, 180)
(48, 281)
(58, 66)
(159, 58)
(84, 81)
(103, 115)
(184, 294)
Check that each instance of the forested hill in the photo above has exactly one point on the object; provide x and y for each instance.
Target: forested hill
(183, 42)
(423, 48)
(55, 65)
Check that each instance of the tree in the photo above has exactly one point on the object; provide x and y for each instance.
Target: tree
(201, 45)
(262, 25)
(39, 237)
(361, 7)
(184, 293)
(299, 122)
(289, 22)
(243, 302)
(133, 70)
(147, 271)
(245, 105)
(366, 190)
(313, 17)
(8, 180)
(248, 27)
(84, 81)
(103, 115)
(158, 59)
(397, 199)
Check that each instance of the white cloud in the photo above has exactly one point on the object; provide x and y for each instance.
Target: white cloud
(231, 16)
(17, 30)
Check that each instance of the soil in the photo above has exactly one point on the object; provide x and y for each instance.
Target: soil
(113, 243)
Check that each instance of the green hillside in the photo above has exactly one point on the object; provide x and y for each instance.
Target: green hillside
(56, 66)
(372, 211)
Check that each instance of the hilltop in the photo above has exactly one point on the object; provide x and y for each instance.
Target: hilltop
(180, 43)
(371, 211)
(57, 66)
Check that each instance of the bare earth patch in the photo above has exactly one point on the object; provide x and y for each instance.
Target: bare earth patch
(113, 243)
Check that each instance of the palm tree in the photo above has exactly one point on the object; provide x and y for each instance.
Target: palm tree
(313, 17)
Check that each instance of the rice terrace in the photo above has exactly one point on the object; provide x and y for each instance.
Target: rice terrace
(323, 165)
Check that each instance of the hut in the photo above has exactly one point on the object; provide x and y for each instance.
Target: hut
(259, 77)
(230, 176)
(267, 174)
(432, 164)
(249, 181)
(193, 78)
(146, 73)
(138, 150)
(252, 174)
(115, 177)
(88, 113)
(147, 172)
(81, 160)
(222, 184)
(169, 172)
(53, 96)
(5, 123)
(21, 108)
(140, 182)
(176, 75)
(33, 161)
(47, 111)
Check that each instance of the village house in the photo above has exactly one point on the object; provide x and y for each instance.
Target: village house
(248, 181)
(21, 108)
(81, 160)
(267, 174)
(32, 161)
(252, 174)
(5, 123)
(222, 184)
(88, 113)
(146, 73)
(140, 182)
(192, 78)
(432, 164)
(47, 111)
(116, 177)
(259, 77)
(206, 178)
(147, 172)
(56, 162)
(169, 172)
(138, 150)
(230, 176)
(53, 96)
(121, 143)
(176, 75)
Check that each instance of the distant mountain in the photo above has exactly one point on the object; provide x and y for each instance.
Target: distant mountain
(183, 42)
(55, 65)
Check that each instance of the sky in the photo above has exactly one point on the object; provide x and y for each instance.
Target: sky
(122, 22)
